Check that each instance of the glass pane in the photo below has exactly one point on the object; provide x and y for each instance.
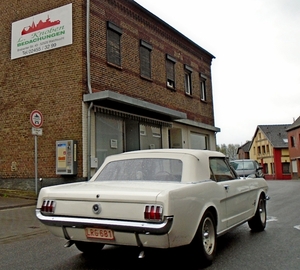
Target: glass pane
(109, 136)
(220, 169)
(145, 62)
(170, 70)
(154, 169)
(113, 47)
(150, 136)
(198, 141)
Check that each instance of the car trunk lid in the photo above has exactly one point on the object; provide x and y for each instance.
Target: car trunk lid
(116, 199)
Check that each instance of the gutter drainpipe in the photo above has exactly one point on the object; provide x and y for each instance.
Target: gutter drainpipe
(88, 68)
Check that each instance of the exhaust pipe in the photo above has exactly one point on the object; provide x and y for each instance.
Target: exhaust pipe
(142, 254)
(140, 245)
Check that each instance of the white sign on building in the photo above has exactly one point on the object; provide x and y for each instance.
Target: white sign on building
(42, 32)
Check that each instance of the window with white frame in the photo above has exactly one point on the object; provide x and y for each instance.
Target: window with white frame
(150, 136)
(170, 69)
(203, 94)
(188, 79)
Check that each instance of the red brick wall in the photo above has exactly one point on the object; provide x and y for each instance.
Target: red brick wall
(242, 154)
(127, 81)
(294, 151)
(52, 82)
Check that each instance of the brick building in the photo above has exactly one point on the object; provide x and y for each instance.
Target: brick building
(293, 134)
(243, 150)
(108, 76)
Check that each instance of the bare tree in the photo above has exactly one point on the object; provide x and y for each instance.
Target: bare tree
(229, 150)
(222, 148)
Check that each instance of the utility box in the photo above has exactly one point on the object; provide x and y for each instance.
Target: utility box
(66, 157)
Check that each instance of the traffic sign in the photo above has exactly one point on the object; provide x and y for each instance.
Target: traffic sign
(37, 131)
(36, 119)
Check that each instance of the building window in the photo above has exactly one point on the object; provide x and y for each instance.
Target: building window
(292, 141)
(220, 170)
(170, 69)
(272, 168)
(188, 79)
(266, 171)
(150, 136)
(285, 167)
(145, 59)
(294, 166)
(203, 79)
(199, 141)
(109, 136)
(114, 34)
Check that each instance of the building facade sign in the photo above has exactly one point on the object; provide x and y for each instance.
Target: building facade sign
(42, 32)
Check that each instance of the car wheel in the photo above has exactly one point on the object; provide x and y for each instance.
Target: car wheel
(88, 247)
(205, 241)
(259, 221)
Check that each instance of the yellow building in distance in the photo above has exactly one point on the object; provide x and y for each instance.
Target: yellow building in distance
(270, 148)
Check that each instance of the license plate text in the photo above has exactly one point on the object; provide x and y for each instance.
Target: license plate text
(99, 233)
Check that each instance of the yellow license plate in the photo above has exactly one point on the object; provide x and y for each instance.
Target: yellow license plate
(98, 233)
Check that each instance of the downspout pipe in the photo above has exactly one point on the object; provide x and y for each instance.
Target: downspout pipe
(88, 68)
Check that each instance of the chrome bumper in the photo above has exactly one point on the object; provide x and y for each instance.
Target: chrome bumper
(116, 225)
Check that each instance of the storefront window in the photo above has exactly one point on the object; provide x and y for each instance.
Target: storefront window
(109, 136)
(150, 136)
(199, 141)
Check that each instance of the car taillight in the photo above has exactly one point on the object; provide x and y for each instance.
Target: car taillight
(153, 212)
(48, 206)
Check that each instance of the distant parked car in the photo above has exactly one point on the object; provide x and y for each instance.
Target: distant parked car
(161, 198)
(247, 168)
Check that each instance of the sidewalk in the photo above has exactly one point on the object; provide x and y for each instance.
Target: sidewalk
(17, 216)
(16, 198)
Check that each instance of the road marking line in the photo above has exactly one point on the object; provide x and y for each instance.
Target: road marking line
(272, 219)
(297, 227)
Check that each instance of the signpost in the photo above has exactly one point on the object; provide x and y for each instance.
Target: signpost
(36, 120)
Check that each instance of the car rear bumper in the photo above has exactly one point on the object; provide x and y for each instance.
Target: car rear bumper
(116, 225)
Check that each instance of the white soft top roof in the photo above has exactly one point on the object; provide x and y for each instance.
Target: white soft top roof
(198, 160)
(195, 152)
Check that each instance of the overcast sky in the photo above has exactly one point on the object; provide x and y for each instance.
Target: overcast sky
(256, 72)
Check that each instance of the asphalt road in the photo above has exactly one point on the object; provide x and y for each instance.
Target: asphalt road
(25, 244)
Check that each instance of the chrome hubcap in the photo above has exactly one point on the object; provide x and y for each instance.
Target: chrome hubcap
(262, 210)
(208, 236)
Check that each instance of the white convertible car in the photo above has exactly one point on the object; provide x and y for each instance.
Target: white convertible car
(160, 198)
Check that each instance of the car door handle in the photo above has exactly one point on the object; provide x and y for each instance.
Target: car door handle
(226, 187)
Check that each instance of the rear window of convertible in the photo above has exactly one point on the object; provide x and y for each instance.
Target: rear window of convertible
(158, 169)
